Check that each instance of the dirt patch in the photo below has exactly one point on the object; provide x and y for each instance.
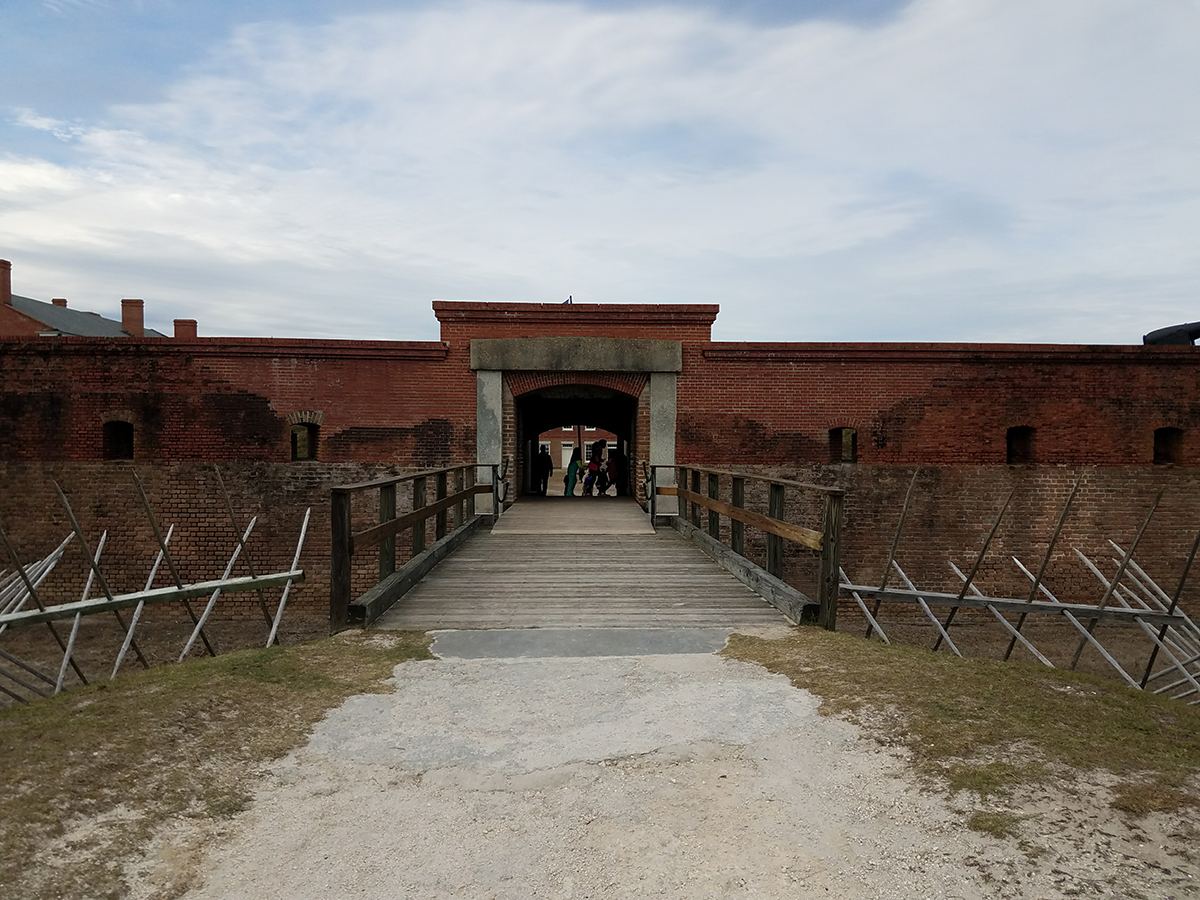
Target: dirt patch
(685, 776)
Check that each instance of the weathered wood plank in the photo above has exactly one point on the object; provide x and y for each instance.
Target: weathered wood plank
(157, 595)
(796, 533)
(1003, 603)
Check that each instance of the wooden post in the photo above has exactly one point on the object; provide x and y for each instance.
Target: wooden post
(737, 530)
(459, 507)
(714, 518)
(652, 499)
(495, 494)
(775, 503)
(696, 490)
(831, 560)
(471, 510)
(439, 527)
(339, 559)
(681, 479)
(387, 547)
(418, 529)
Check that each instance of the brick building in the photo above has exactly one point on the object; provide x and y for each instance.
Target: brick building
(285, 419)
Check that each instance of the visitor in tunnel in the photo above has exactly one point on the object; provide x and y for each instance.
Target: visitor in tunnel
(618, 471)
(543, 469)
(610, 472)
(573, 469)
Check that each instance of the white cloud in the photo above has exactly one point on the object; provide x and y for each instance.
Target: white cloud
(979, 170)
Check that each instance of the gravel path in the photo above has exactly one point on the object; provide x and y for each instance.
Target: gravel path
(674, 775)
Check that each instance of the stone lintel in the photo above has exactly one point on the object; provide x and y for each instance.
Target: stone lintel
(576, 354)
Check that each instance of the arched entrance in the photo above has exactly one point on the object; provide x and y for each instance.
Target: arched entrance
(628, 384)
(577, 411)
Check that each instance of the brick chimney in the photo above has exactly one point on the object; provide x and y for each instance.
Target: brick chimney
(185, 329)
(131, 318)
(60, 301)
(5, 282)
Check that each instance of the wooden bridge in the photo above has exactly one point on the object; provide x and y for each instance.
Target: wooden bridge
(570, 562)
(578, 561)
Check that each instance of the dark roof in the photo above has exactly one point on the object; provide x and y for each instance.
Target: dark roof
(61, 320)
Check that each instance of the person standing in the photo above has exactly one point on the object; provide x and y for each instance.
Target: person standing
(543, 469)
(573, 468)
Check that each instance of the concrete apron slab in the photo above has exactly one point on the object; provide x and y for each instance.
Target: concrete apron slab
(534, 643)
(682, 776)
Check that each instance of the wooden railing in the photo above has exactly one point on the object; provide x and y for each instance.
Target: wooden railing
(391, 583)
(699, 489)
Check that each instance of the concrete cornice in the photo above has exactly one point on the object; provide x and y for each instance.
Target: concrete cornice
(305, 348)
(576, 354)
(623, 314)
(1107, 354)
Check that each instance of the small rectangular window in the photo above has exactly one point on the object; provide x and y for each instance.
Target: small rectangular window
(1020, 445)
(843, 445)
(304, 441)
(118, 440)
(1168, 446)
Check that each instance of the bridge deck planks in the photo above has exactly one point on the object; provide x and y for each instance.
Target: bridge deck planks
(519, 579)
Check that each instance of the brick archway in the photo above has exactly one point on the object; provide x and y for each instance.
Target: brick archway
(630, 383)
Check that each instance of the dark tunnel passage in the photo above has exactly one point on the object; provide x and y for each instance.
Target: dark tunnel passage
(588, 411)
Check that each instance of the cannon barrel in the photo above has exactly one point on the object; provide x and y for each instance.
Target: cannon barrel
(1174, 334)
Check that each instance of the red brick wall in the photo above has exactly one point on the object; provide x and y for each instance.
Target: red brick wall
(399, 406)
(221, 399)
(939, 404)
(953, 508)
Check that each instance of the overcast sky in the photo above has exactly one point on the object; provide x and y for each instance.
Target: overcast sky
(826, 170)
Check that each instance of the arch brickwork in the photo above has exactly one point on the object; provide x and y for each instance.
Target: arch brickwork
(631, 383)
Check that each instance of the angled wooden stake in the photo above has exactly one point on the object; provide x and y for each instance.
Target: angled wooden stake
(1187, 568)
(928, 612)
(167, 555)
(1037, 581)
(38, 572)
(87, 588)
(95, 566)
(272, 637)
(1017, 636)
(1079, 626)
(137, 612)
(975, 568)
(1117, 578)
(1116, 593)
(12, 555)
(863, 606)
(887, 569)
(237, 530)
(212, 601)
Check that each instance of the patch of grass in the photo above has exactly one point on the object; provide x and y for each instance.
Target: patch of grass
(985, 778)
(997, 824)
(988, 726)
(1140, 799)
(89, 776)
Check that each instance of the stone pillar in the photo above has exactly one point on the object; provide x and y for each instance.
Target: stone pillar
(662, 436)
(489, 422)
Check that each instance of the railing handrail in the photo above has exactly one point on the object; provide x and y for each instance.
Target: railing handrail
(400, 479)
(752, 476)
(826, 541)
(375, 535)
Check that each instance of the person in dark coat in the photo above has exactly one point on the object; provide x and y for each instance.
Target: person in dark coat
(621, 478)
(543, 469)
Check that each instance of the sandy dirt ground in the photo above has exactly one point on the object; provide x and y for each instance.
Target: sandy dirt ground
(682, 776)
